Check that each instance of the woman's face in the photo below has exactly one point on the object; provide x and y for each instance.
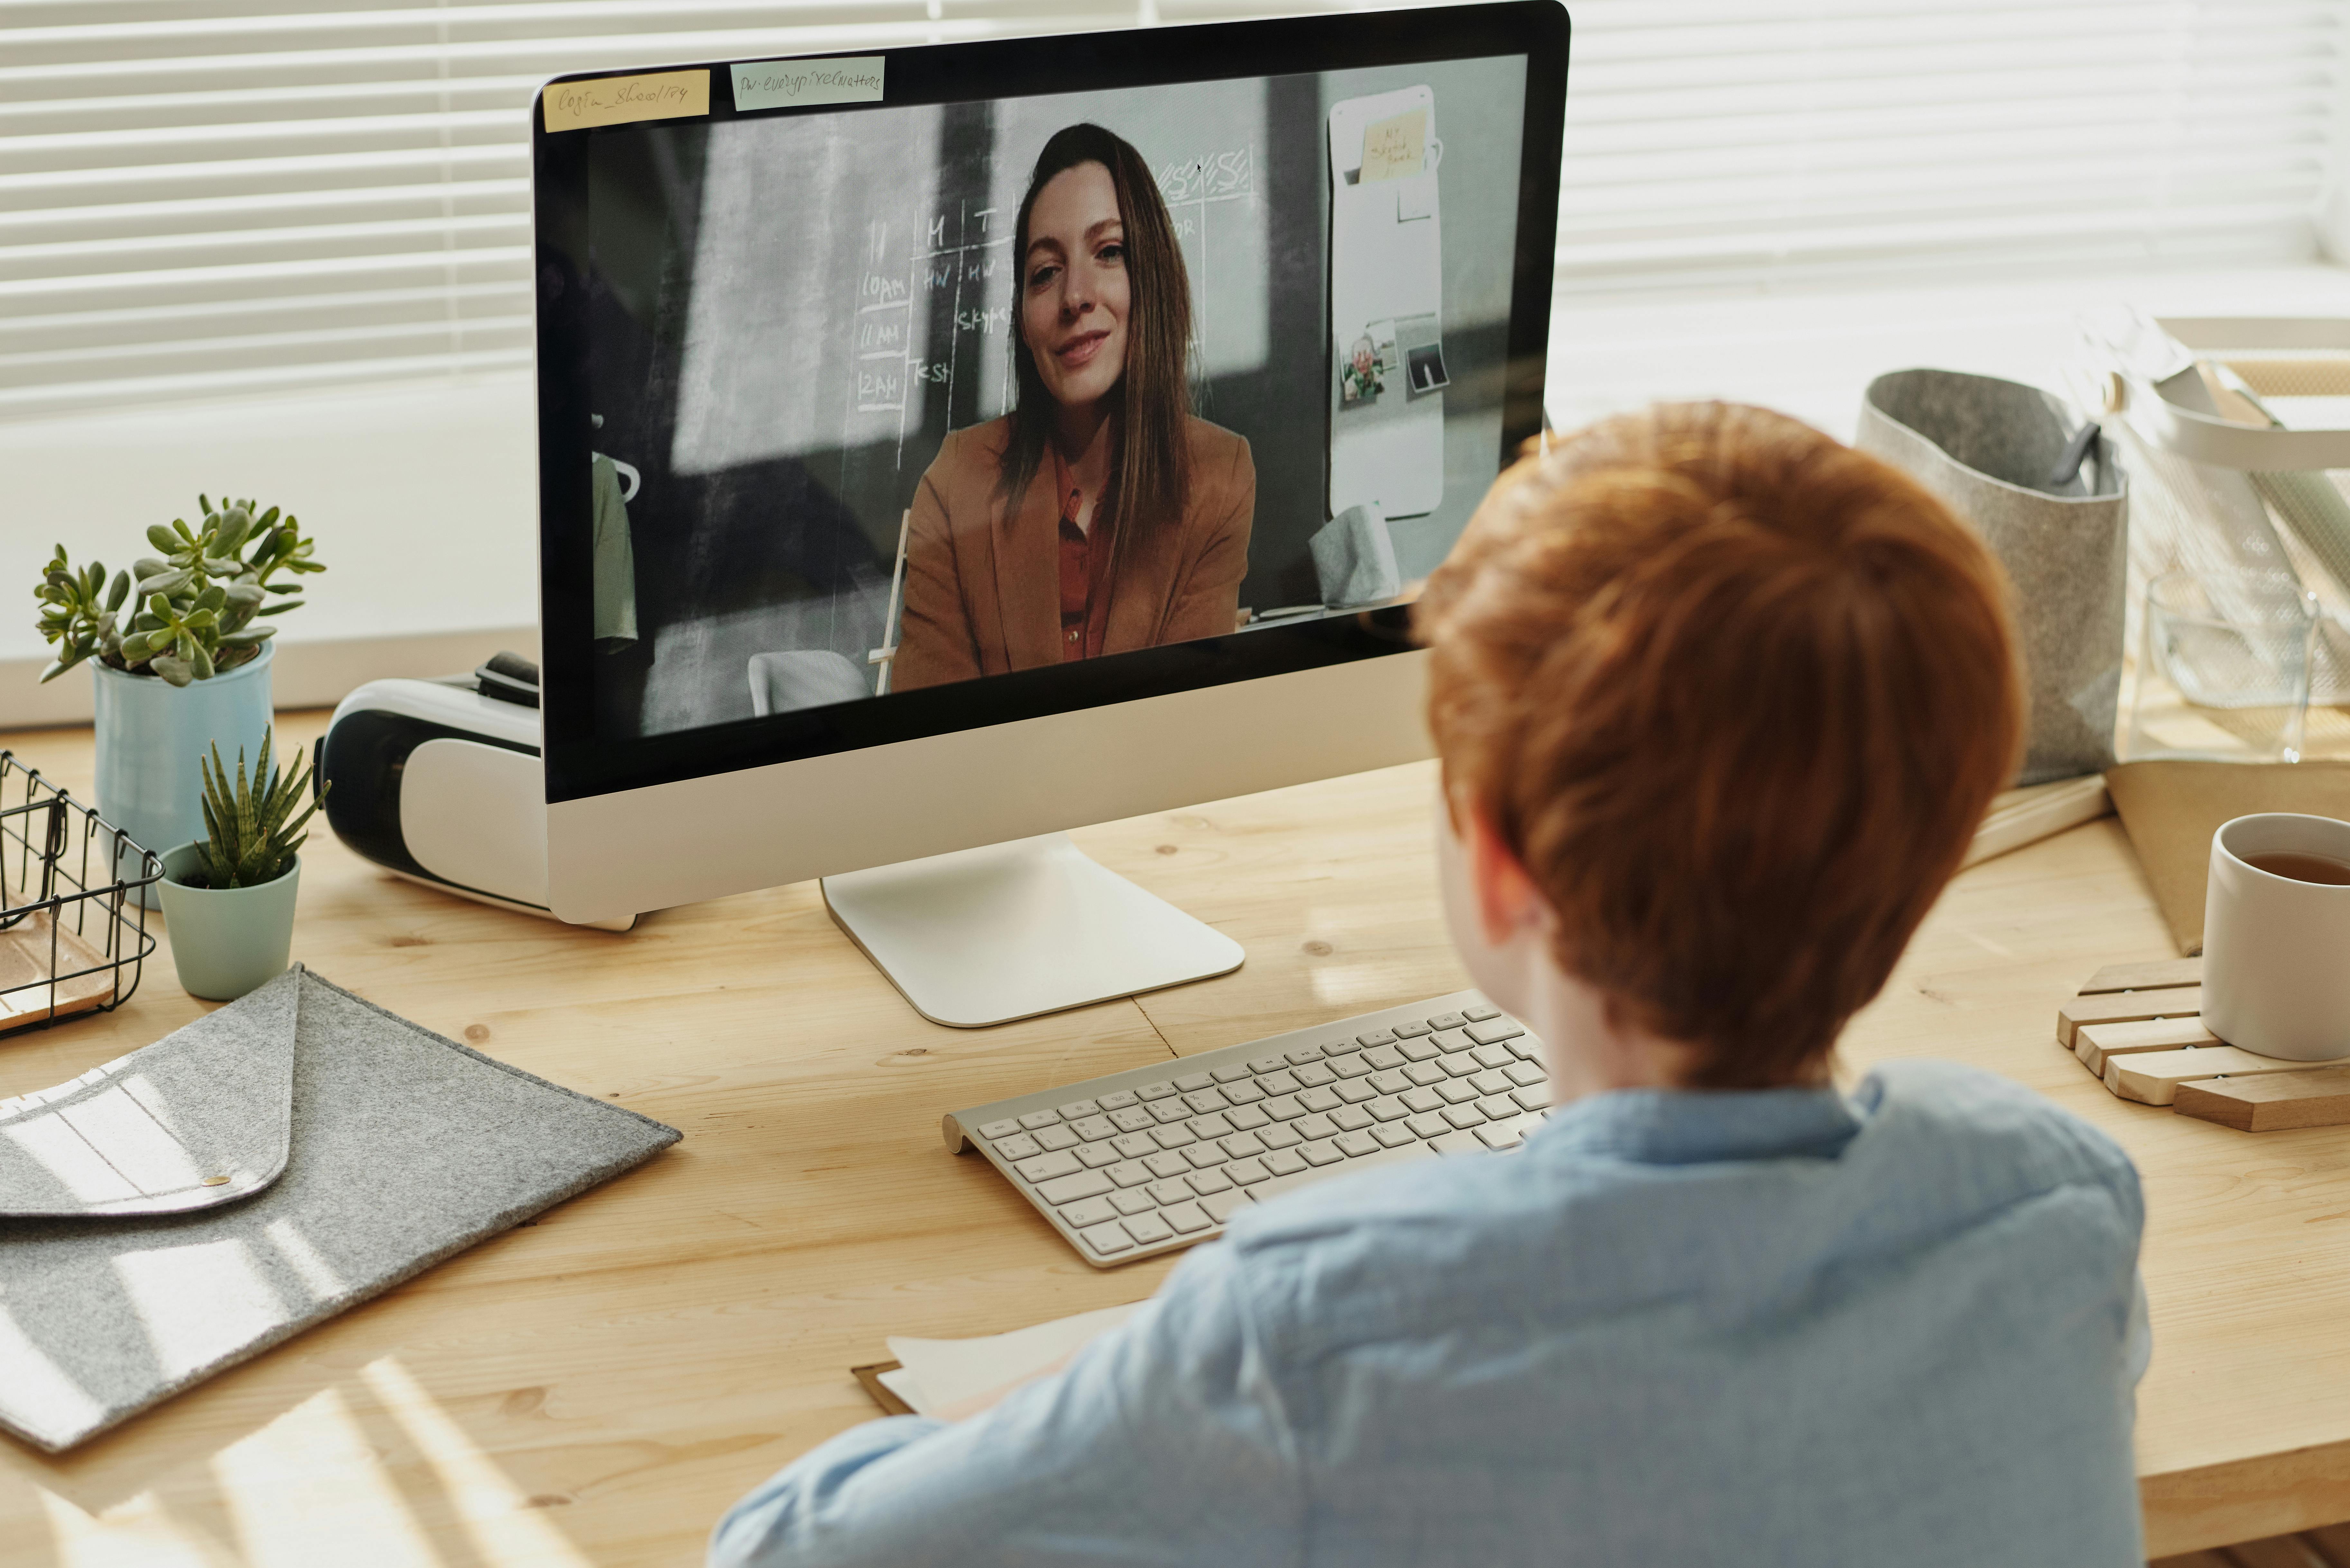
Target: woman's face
(1074, 287)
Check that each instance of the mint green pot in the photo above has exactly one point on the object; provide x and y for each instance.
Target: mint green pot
(226, 941)
(151, 738)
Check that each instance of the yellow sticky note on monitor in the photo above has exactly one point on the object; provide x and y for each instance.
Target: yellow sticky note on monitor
(618, 100)
(1395, 146)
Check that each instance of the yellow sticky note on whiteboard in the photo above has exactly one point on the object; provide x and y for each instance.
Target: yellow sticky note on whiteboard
(1395, 146)
(618, 100)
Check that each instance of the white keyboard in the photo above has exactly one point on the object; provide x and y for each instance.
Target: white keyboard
(1157, 1158)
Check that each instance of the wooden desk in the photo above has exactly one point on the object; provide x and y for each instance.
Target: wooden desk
(596, 1388)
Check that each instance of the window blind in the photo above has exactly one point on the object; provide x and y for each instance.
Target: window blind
(200, 196)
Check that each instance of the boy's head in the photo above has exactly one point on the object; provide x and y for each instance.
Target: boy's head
(1735, 697)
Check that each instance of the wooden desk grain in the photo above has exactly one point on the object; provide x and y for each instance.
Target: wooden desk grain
(594, 1388)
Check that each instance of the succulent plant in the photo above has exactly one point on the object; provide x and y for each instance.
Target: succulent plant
(189, 613)
(249, 839)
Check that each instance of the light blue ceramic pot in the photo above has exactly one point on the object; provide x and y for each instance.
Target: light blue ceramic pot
(151, 736)
(226, 941)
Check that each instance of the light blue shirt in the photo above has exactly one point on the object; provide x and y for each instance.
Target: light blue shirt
(1786, 1326)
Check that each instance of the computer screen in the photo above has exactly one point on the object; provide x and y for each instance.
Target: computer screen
(971, 400)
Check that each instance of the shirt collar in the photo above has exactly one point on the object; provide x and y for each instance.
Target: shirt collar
(1696, 1127)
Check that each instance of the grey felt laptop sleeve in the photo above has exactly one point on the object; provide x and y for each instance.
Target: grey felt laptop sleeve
(177, 1211)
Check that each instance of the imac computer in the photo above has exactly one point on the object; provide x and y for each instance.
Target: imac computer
(943, 447)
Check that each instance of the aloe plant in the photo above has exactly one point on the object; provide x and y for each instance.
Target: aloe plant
(252, 833)
(189, 613)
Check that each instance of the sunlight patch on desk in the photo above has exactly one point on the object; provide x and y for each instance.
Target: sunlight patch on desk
(495, 1512)
(1354, 986)
(310, 1487)
(132, 1535)
(239, 1304)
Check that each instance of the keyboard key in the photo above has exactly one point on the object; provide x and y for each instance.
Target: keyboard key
(1167, 1162)
(1147, 1229)
(1496, 1106)
(1456, 1091)
(1265, 1192)
(1158, 1091)
(1088, 1211)
(1351, 1118)
(1334, 1049)
(1448, 1021)
(1035, 1120)
(1115, 1100)
(1316, 1126)
(1480, 1012)
(1490, 1033)
(1069, 1189)
(1190, 1081)
(1463, 1115)
(1214, 1180)
(1489, 1082)
(1007, 1127)
(1185, 1219)
(1133, 1201)
(1376, 1037)
(1457, 1143)
(1535, 1097)
(1230, 1072)
(1246, 1172)
(1077, 1110)
(1393, 1135)
(1092, 1128)
(1389, 1083)
(1348, 1067)
(1203, 1154)
(1281, 1083)
(1523, 1072)
(1133, 1118)
(1284, 1107)
(1045, 1167)
(1106, 1239)
(1279, 1134)
(1174, 1189)
(1240, 1145)
(1210, 1127)
(1247, 1118)
(1321, 1152)
(1382, 1058)
(1450, 1040)
(1355, 1145)
(1354, 1091)
(1245, 1092)
(1285, 1161)
(1304, 1054)
(1220, 1207)
(1318, 1099)
(1019, 1146)
(1422, 1050)
(1460, 1063)
(1172, 1110)
(1175, 1134)
(1421, 1100)
(1128, 1172)
(1494, 1056)
(1501, 1135)
(1062, 1137)
(1425, 1073)
(1134, 1146)
(1312, 1073)
(1526, 1048)
(1262, 1065)
(1410, 1031)
(1098, 1154)
(1427, 1124)
(1386, 1109)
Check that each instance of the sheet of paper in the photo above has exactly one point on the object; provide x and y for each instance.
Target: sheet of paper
(619, 100)
(939, 1372)
(1395, 146)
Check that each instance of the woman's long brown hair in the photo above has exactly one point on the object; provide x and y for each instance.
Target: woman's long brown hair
(1153, 477)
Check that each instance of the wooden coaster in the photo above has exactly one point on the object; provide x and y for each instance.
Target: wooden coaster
(2138, 1027)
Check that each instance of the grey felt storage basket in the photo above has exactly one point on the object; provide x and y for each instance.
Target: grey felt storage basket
(1988, 449)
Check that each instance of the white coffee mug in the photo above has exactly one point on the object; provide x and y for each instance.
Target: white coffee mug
(2276, 950)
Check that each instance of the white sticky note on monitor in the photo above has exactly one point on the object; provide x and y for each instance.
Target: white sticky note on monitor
(798, 84)
(1395, 146)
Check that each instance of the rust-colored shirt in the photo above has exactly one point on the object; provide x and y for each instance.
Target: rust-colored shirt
(1084, 569)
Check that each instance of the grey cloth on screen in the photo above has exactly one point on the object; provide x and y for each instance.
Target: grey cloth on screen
(1354, 559)
(803, 678)
(1986, 447)
(361, 1150)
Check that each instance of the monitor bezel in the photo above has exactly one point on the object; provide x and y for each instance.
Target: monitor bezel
(581, 763)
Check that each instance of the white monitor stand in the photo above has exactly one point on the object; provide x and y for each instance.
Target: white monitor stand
(1010, 930)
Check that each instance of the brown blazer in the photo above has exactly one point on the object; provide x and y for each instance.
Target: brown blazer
(984, 589)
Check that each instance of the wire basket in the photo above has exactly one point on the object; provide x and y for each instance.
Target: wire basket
(73, 931)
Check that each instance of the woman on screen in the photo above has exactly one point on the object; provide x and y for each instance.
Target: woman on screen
(1098, 517)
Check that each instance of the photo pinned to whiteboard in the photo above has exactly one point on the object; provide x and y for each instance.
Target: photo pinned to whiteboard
(1387, 298)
